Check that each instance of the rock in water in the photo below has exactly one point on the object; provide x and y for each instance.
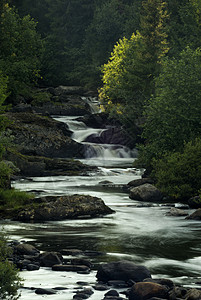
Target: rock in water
(147, 290)
(55, 208)
(146, 192)
(122, 270)
(196, 215)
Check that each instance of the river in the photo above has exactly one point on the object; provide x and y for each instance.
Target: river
(169, 246)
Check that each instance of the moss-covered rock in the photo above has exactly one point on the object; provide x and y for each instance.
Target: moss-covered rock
(44, 166)
(38, 135)
(55, 208)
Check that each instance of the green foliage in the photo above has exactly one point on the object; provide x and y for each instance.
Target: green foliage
(178, 174)
(128, 77)
(112, 20)
(123, 78)
(10, 281)
(14, 198)
(184, 25)
(5, 172)
(3, 120)
(173, 115)
(20, 51)
(40, 97)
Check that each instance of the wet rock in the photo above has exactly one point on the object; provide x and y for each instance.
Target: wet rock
(69, 268)
(32, 267)
(100, 120)
(81, 262)
(147, 290)
(163, 281)
(119, 283)
(195, 202)
(193, 294)
(138, 182)
(177, 293)
(41, 291)
(176, 212)
(195, 216)
(122, 270)
(146, 192)
(83, 294)
(22, 264)
(42, 136)
(48, 259)
(63, 207)
(26, 249)
(43, 166)
(112, 135)
(100, 287)
(112, 293)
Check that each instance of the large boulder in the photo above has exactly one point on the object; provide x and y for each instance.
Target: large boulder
(122, 270)
(146, 192)
(176, 212)
(26, 249)
(147, 290)
(138, 182)
(55, 208)
(43, 136)
(44, 166)
(195, 215)
(49, 259)
(112, 135)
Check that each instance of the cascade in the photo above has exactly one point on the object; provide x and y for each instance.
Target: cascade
(98, 153)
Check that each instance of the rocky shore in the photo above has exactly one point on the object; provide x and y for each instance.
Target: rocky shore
(120, 280)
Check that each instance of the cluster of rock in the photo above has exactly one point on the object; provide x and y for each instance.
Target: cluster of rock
(120, 279)
(62, 100)
(144, 190)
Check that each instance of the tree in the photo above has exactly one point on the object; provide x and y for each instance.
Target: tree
(173, 114)
(111, 21)
(154, 17)
(184, 25)
(20, 50)
(128, 77)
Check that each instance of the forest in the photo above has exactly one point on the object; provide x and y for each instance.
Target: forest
(142, 57)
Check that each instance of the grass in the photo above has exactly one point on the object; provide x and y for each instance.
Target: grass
(14, 199)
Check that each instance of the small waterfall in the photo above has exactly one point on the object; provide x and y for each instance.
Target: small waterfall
(81, 135)
(93, 103)
(108, 151)
(97, 153)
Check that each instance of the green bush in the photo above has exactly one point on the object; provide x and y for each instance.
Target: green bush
(14, 198)
(5, 172)
(178, 174)
(9, 278)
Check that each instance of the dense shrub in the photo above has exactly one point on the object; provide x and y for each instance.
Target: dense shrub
(178, 174)
(9, 278)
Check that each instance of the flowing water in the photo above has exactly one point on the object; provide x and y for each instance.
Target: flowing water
(169, 246)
